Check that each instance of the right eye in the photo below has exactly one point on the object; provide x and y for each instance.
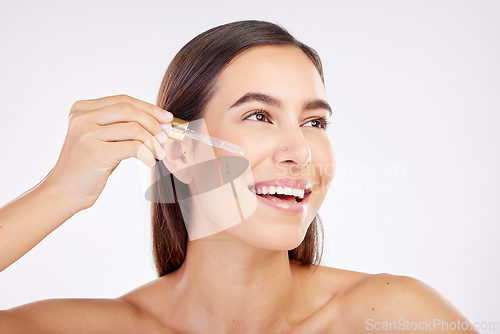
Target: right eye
(260, 115)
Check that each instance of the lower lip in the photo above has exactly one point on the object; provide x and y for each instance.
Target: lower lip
(285, 206)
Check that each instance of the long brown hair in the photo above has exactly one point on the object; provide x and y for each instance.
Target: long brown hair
(186, 88)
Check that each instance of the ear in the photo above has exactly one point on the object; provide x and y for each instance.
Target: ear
(179, 159)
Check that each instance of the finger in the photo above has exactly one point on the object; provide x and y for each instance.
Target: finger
(125, 112)
(154, 111)
(130, 131)
(121, 150)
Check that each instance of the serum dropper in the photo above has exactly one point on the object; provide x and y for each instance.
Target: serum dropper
(178, 130)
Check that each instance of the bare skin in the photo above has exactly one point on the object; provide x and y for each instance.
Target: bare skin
(242, 280)
(327, 300)
(324, 300)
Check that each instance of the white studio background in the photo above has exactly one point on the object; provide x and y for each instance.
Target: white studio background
(414, 87)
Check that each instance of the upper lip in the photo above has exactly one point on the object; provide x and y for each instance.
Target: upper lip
(286, 182)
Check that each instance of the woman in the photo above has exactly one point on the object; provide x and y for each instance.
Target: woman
(237, 258)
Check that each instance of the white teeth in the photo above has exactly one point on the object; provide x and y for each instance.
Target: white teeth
(272, 190)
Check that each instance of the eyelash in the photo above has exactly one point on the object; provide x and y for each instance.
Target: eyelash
(323, 120)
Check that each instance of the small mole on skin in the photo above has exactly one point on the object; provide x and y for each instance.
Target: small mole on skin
(373, 308)
(387, 282)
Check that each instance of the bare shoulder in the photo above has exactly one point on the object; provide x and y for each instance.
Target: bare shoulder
(328, 282)
(155, 300)
(318, 289)
(388, 294)
(77, 316)
(372, 301)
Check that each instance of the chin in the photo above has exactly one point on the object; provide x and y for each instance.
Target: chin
(272, 236)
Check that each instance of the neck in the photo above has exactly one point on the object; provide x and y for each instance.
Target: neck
(227, 284)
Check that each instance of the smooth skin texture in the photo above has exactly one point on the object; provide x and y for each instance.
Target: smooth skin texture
(241, 280)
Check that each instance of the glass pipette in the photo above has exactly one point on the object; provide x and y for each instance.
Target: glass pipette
(178, 129)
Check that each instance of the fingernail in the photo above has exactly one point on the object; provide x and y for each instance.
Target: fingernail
(168, 115)
(162, 137)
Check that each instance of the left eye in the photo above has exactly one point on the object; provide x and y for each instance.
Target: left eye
(260, 115)
(318, 123)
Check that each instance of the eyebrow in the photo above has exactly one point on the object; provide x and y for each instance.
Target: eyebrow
(269, 100)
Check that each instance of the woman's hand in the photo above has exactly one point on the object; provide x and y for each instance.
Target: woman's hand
(101, 133)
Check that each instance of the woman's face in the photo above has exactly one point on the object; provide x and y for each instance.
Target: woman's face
(285, 89)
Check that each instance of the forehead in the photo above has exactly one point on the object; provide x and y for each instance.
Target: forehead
(283, 71)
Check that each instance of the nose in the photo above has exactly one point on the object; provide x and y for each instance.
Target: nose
(292, 151)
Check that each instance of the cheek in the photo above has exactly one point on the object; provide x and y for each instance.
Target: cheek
(254, 142)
